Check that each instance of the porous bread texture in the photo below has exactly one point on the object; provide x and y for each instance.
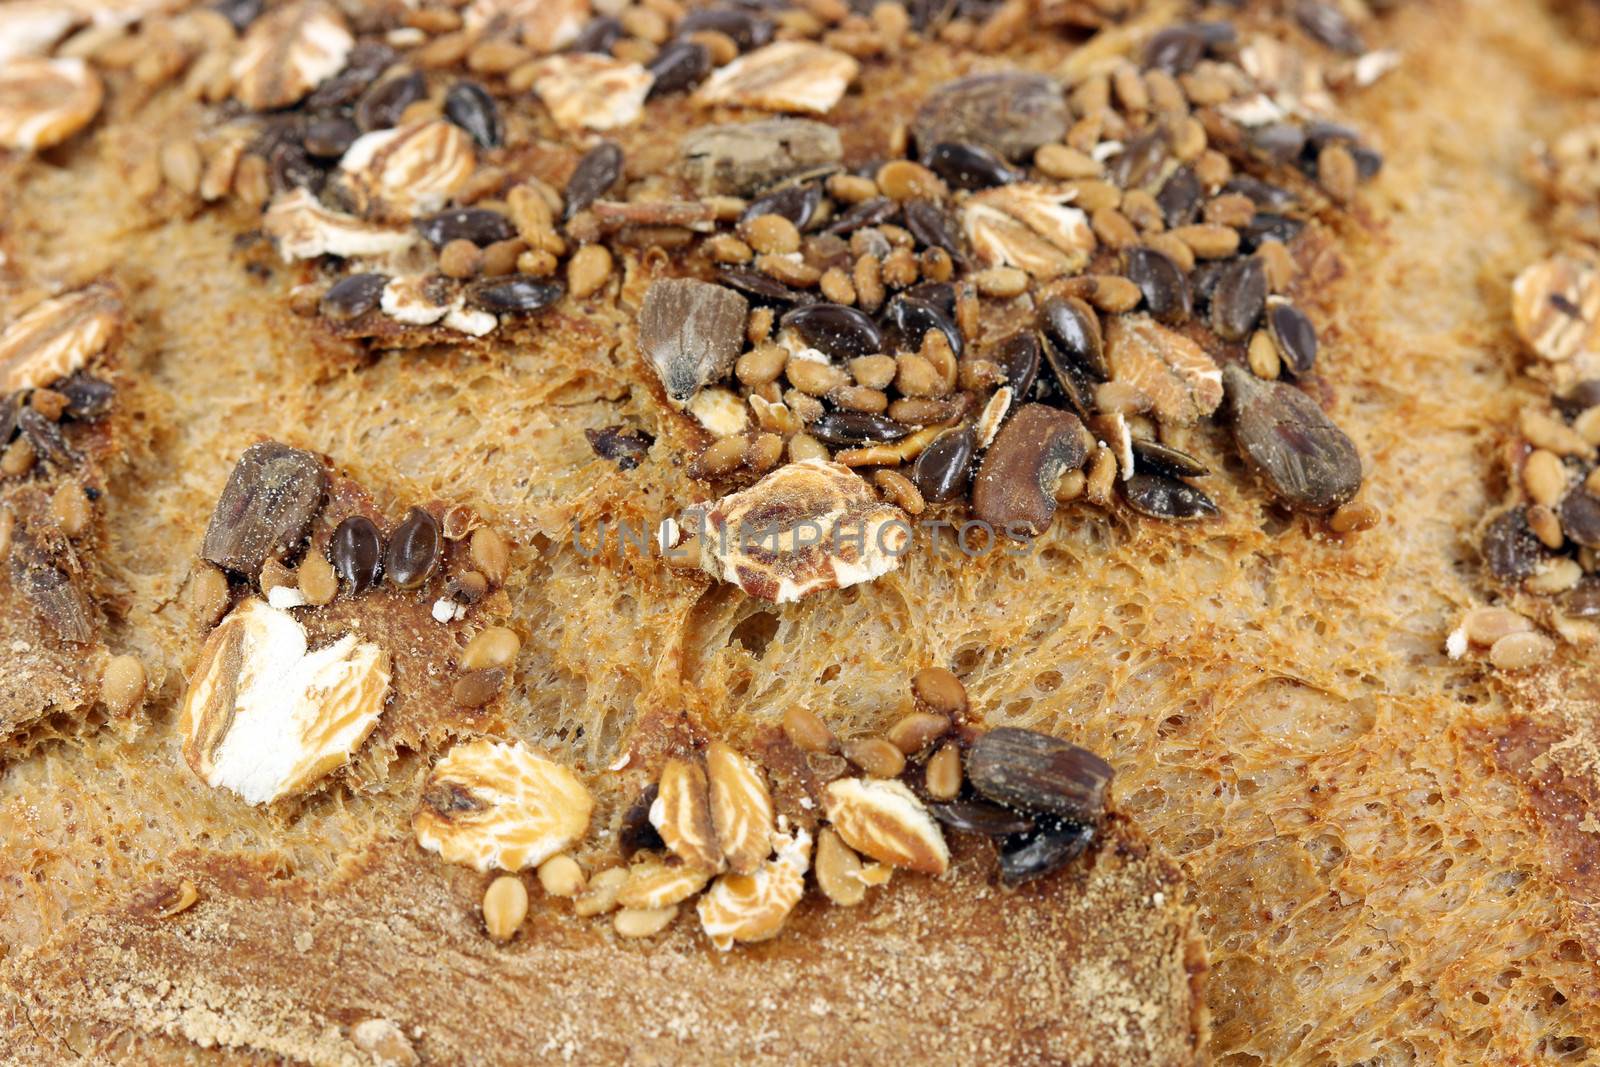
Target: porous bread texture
(1369, 832)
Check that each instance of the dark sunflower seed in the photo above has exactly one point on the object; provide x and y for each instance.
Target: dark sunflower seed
(1138, 160)
(1263, 194)
(381, 105)
(328, 138)
(942, 295)
(518, 296)
(1163, 459)
(1180, 198)
(354, 296)
(943, 470)
(1030, 856)
(1038, 773)
(49, 588)
(908, 319)
(1279, 142)
(476, 224)
(931, 225)
(470, 106)
(46, 437)
(624, 447)
(845, 429)
(1305, 459)
(637, 833)
(88, 398)
(1583, 602)
(592, 178)
(265, 508)
(239, 12)
(289, 166)
(836, 329)
(1267, 226)
(1328, 25)
(762, 288)
(1175, 49)
(413, 551)
(1074, 330)
(597, 36)
(356, 552)
(1580, 398)
(1369, 161)
(797, 203)
(747, 29)
(1011, 114)
(1294, 335)
(367, 60)
(1162, 283)
(981, 817)
(1239, 296)
(1512, 550)
(879, 209)
(1580, 518)
(10, 408)
(678, 67)
(1158, 496)
(691, 331)
(1018, 355)
(970, 166)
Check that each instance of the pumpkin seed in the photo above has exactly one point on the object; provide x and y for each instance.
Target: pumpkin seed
(1035, 772)
(1011, 114)
(798, 203)
(1306, 460)
(1580, 518)
(1511, 548)
(909, 318)
(265, 509)
(1180, 198)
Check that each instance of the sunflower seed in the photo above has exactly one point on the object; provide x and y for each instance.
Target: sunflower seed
(1011, 114)
(909, 319)
(1510, 548)
(970, 166)
(87, 398)
(845, 428)
(1267, 226)
(1180, 198)
(943, 470)
(1263, 194)
(798, 203)
(1163, 459)
(354, 296)
(329, 138)
(476, 224)
(381, 106)
(873, 212)
(470, 106)
(1139, 160)
(836, 329)
(1305, 459)
(49, 588)
(1160, 497)
(46, 437)
(517, 296)
(593, 177)
(747, 29)
(1580, 518)
(356, 552)
(266, 507)
(1330, 26)
(1033, 855)
(1037, 773)
(413, 551)
(931, 226)
(1293, 334)
(625, 447)
(1074, 329)
(1175, 49)
(638, 834)
(981, 817)
(1018, 355)
(1162, 283)
(1239, 296)
(598, 36)
(762, 288)
(362, 67)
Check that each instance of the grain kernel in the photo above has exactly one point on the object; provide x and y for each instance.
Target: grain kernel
(836, 285)
(1208, 241)
(317, 581)
(851, 188)
(763, 452)
(807, 731)
(69, 509)
(1060, 161)
(122, 684)
(505, 905)
(876, 756)
(1336, 172)
(1113, 228)
(917, 377)
(1003, 282)
(1485, 626)
(943, 774)
(1279, 263)
(813, 377)
(901, 179)
(803, 446)
(940, 690)
(643, 922)
(1520, 651)
(720, 457)
(726, 248)
(1545, 477)
(1264, 359)
(772, 234)
(490, 553)
(561, 876)
(1354, 517)
(588, 270)
(208, 593)
(601, 895)
(917, 731)
(900, 490)
(493, 646)
(838, 869)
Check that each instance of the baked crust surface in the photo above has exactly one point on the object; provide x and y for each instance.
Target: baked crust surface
(1390, 855)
